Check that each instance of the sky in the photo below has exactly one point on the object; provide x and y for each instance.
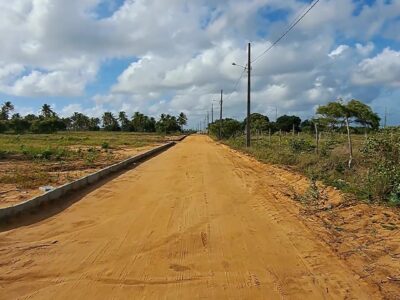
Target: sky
(158, 56)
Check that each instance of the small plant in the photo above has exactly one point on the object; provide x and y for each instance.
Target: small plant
(301, 146)
(394, 198)
(90, 158)
(106, 145)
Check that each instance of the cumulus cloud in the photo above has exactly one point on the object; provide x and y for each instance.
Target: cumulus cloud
(338, 51)
(383, 69)
(182, 52)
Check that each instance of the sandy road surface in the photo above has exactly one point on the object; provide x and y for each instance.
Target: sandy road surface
(198, 221)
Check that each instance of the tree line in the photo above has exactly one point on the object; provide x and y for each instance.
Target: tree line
(335, 116)
(48, 121)
(353, 117)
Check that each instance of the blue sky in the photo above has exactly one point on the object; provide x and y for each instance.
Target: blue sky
(170, 56)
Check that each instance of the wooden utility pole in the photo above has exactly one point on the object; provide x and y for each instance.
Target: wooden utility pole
(316, 137)
(385, 123)
(220, 115)
(208, 121)
(248, 123)
(212, 113)
(269, 134)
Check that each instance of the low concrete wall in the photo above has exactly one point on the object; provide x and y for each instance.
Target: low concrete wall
(63, 190)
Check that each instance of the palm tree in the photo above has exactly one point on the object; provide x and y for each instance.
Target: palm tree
(5, 110)
(47, 112)
(124, 121)
(110, 123)
(182, 120)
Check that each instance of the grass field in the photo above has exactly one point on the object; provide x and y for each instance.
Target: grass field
(33, 160)
(375, 175)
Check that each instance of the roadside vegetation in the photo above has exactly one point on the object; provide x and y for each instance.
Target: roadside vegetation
(342, 146)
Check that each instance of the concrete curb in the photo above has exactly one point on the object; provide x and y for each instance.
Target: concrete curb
(58, 193)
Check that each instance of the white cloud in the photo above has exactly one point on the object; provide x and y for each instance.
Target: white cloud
(339, 50)
(68, 77)
(182, 52)
(365, 49)
(383, 69)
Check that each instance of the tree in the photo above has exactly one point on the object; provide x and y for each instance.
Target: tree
(340, 111)
(6, 109)
(16, 116)
(31, 118)
(138, 122)
(3, 126)
(364, 115)
(150, 124)
(182, 120)
(307, 126)
(110, 123)
(18, 124)
(288, 123)
(167, 124)
(49, 125)
(79, 121)
(47, 112)
(259, 122)
(68, 123)
(229, 128)
(94, 124)
(124, 121)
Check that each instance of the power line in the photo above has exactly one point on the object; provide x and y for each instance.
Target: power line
(236, 84)
(287, 31)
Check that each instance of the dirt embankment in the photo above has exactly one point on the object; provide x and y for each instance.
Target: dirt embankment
(199, 221)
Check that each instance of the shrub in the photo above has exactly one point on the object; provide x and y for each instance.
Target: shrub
(301, 146)
(229, 128)
(105, 145)
(3, 126)
(381, 154)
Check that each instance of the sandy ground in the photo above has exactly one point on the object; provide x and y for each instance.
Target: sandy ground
(197, 221)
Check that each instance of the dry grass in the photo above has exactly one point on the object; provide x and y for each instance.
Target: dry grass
(367, 179)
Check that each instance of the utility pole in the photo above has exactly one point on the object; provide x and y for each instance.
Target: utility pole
(384, 126)
(248, 137)
(212, 113)
(220, 115)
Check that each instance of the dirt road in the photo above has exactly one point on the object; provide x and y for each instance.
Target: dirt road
(197, 221)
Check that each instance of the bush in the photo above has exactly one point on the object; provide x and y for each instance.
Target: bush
(105, 145)
(301, 146)
(51, 125)
(3, 126)
(381, 154)
(229, 128)
(19, 125)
